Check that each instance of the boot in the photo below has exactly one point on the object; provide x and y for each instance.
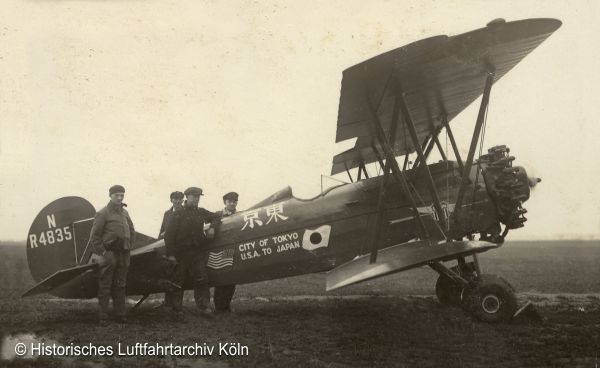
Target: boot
(202, 299)
(103, 319)
(119, 301)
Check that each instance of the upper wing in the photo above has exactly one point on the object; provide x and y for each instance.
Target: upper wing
(438, 76)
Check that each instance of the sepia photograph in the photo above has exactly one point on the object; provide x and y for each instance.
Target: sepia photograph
(299, 184)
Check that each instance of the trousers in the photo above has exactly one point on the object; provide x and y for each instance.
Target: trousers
(223, 296)
(191, 266)
(168, 299)
(112, 281)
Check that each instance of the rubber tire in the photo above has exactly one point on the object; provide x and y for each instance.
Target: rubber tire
(447, 292)
(490, 285)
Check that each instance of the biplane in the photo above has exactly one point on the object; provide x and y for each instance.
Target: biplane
(439, 215)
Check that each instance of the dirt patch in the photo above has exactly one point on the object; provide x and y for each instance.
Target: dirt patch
(390, 322)
(330, 332)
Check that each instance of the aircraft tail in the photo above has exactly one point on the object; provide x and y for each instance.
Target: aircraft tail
(58, 250)
(58, 236)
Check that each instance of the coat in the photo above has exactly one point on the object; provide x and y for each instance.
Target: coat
(186, 230)
(112, 229)
(167, 217)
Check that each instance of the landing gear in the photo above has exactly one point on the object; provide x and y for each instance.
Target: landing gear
(448, 290)
(489, 298)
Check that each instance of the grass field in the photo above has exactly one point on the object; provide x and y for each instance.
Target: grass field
(393, 321)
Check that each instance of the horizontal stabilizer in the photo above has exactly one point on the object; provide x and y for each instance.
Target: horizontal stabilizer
(142, 240)
(58, 278)
(401, 257)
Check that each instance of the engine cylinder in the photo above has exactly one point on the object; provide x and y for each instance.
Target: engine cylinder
(507, 185)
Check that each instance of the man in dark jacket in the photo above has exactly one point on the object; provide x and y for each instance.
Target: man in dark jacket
(177, 204)
(111, 238)
(223, 294)
(186, 243)
(176, 201)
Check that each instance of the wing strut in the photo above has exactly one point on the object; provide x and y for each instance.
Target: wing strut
(438, 145)
(431, 140)
(427, 146)
(423, 161)
(476, 133)
(379, 214)
(377, 155)
(452, 142)
(390, 163)
(405, 166)
(383, 184)
(348, 172)
(362, 168)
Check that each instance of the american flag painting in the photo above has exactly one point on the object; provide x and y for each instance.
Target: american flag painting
(222, 259)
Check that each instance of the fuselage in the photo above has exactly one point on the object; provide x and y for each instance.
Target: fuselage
(287, 236)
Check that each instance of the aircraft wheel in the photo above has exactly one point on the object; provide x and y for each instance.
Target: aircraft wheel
(447, 292)
(490, 299)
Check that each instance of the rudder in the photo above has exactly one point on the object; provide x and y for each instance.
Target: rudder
(59, 235)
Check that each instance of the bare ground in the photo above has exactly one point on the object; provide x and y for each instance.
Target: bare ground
(394, 321)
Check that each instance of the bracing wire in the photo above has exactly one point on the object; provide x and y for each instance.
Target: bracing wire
(485, 116)
(447, 181)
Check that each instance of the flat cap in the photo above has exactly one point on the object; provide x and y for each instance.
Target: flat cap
(193, 190)
(176, 195)
(232, 196)
(116, 189)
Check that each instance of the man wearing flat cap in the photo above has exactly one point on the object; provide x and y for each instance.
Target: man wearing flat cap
(177, 204)
(224, 293)
(111, 238)
(186, 244)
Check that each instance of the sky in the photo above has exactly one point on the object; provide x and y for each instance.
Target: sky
(243, 96)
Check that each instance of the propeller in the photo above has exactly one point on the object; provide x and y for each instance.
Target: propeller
(532, 178)
(533, 181)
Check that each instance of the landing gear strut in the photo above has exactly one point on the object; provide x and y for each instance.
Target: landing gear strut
(448, 290)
